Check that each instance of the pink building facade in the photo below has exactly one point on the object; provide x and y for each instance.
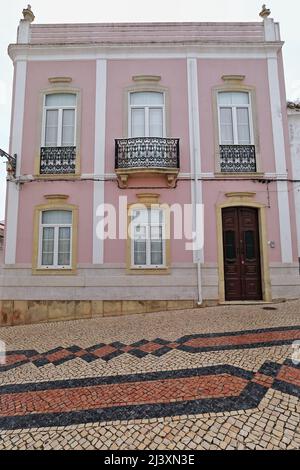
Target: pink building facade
(146, 118)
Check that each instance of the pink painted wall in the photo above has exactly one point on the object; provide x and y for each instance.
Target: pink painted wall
(173, 76)
(115, 250)
(32, 194)
(210, 73)
(214, 194)
(83, 75)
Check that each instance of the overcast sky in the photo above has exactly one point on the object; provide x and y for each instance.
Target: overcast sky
(73, 11)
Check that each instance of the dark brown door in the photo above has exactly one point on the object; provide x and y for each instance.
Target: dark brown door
(242, 269)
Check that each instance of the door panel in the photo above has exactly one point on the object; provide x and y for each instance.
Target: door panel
(242, 271)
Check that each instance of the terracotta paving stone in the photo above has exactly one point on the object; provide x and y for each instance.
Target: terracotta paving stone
(104, 351)
(212, 378)
(289, 374)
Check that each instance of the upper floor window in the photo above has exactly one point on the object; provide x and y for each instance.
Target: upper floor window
(55, 239)
(59, 120)
(146, 114)
(148, 240)
(235, 120)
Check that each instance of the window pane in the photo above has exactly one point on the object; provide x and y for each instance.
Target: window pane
(140, 234)
(137, 122)
(64, 244)
(47, 246)
(156, 122)
(51, 128)
(146, 98)
(140, 216)
(226, 126)
(68, 127)
(250, 245)
(230, 248)
(243, 126)
(156, 216)
(233, 98)
(61, 99)
(156, 245)
(57, 217)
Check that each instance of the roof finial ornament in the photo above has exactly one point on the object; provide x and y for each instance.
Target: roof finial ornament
(265, 12)
(27, 14)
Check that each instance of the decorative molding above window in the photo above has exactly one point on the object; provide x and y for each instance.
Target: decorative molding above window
(56, 197)
(233, 78)
(243, 195)
(54, 80)
(146, 78)
(148, 198)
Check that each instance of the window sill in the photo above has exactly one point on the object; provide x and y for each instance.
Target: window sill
(54, 271)
(149, 271)
(247, 175)
(58, 176)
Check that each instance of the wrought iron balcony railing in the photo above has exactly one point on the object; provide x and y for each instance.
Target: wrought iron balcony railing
(237, 159)
(147, 153)
(57, 160)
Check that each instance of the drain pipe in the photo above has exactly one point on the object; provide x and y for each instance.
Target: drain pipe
(194, 129)
(198, 252)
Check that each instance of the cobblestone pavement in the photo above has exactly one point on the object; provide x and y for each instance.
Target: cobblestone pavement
(214, 378)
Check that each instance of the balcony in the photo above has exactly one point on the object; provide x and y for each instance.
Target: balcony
(147, 155)
(237, 159)
(57, 160)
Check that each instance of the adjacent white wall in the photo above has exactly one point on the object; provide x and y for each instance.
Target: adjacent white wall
(280, 162)
(294, 130)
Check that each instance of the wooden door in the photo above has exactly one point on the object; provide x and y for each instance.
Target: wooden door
(242, 270)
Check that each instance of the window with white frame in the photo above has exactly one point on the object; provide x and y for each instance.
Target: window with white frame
(59, 120)
(235, 118)
(55, 247)
(146, 114)
(148, 238)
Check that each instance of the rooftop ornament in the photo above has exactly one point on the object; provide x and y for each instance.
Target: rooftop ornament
(265, 12)
(28, 14)
(11, 163)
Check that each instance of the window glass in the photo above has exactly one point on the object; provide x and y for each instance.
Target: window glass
(64, 246)
(226, 126)
(155, 122)
(243, 126)
(61, 99)
(149, 98)
(68, 122)
(137, 122)
(148, 242)
(233, 98)
(250, 245)
(230, 248)
(51, 128)
(57, 217)
(48, 246)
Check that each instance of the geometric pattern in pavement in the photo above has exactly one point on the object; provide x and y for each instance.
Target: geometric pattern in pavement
(158, 347)
(215, 389)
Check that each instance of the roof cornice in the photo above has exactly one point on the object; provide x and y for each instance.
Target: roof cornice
(107, 49)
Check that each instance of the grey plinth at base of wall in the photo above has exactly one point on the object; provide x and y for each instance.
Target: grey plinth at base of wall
(22, 312)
